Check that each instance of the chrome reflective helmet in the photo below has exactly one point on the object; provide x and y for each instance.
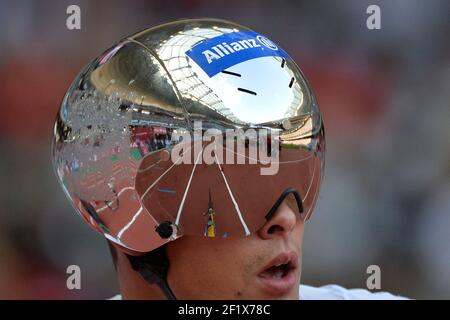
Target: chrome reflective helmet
(133, 131)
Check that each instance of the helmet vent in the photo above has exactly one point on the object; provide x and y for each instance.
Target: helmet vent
(247, 91)
(292, 82)
(231, 73)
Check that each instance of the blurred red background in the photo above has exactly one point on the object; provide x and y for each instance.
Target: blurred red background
(384, 95)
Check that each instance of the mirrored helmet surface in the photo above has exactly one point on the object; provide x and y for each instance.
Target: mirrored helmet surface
(195, 127)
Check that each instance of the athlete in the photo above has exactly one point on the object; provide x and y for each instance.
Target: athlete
(210, 229)
(211, 85)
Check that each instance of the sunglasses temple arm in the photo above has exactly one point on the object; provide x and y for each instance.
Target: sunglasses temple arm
(280, 200)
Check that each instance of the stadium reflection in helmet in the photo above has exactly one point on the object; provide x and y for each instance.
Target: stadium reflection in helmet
(193, 127)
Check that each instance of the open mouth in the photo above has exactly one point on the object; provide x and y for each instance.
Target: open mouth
(280, 275)
(277, 272)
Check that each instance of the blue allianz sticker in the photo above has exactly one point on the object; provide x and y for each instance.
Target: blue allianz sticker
(217, 54)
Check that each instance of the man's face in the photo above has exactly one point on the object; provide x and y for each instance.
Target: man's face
(240, 268)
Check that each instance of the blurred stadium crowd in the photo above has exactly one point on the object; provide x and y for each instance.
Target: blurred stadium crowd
(384, 95)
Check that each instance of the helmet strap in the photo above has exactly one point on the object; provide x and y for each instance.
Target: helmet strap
(153, 267)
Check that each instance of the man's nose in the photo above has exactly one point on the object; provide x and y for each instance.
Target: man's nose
(281, 224)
